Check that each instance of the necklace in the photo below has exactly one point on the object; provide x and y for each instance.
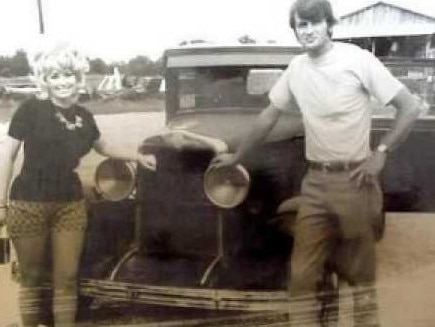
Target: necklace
(78, 121)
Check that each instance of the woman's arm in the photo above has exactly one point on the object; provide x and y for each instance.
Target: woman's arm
(8, 156)
(112, 150)
(109, 149)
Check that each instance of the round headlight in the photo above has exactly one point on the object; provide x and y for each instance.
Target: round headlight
(226, 187)
(115, 179)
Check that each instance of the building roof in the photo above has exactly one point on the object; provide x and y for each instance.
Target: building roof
(383, 19)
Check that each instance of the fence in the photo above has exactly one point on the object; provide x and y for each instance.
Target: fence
(418, 75)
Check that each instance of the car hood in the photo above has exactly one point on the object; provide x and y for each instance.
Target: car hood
(232, 128)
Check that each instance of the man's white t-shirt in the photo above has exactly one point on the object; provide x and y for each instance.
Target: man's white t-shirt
(333, 94)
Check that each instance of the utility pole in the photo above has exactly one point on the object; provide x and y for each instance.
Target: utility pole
(41, 17)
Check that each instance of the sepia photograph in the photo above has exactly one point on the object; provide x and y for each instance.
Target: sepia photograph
(217, 163)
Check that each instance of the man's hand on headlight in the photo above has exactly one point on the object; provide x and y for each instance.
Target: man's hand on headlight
(147, 161)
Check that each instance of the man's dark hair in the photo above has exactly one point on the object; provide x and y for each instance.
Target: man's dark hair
(313, 11)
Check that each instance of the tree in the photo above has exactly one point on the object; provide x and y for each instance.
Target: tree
(159, 66)
(141, 66)
(246, 39)
(98, 66)
(194, 41)
(17, 65)
(5, 70)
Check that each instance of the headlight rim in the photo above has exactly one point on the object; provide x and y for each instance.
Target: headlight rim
(129, 167)
(243, 172)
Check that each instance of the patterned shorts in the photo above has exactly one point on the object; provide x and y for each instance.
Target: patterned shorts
(31, 218)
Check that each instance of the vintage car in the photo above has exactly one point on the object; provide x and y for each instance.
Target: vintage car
(168, 237)
(25, 89)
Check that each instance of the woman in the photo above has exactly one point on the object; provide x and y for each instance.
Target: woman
(45, 199)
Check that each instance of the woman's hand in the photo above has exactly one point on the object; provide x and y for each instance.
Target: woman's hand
(370, 169)
(224, 160)
(147, 161)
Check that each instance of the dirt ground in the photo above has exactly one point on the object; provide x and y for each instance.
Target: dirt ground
(406, 255)
(406, 270)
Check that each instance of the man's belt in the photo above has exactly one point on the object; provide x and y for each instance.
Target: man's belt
(334, 166)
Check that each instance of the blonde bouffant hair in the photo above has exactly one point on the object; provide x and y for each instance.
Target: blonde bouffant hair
(61, 57)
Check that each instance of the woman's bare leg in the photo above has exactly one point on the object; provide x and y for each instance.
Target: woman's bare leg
(31, 257)
(67, 248)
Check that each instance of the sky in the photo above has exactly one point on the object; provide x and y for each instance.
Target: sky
(118, 30)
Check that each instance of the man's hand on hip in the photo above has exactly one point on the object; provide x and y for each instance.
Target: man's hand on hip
(370, 169)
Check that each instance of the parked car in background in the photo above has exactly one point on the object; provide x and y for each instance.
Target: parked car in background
(25, 87)
(149, 85)
(156, 237)
(21, 88)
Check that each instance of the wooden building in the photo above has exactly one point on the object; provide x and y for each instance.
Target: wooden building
(389, 31)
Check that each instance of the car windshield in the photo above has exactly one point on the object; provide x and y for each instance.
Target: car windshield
(206, 88)
(247, 87)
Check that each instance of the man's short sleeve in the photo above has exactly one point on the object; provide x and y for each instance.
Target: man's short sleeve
(280, 94)
(377, 79)
(23, 121)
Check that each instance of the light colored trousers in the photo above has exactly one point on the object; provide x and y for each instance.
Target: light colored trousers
(335, 225)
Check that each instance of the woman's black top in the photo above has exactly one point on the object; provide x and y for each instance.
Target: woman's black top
(51, 151)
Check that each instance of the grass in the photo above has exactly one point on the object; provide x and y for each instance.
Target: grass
(108, 105)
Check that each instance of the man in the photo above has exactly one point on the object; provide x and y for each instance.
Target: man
(331, 85)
